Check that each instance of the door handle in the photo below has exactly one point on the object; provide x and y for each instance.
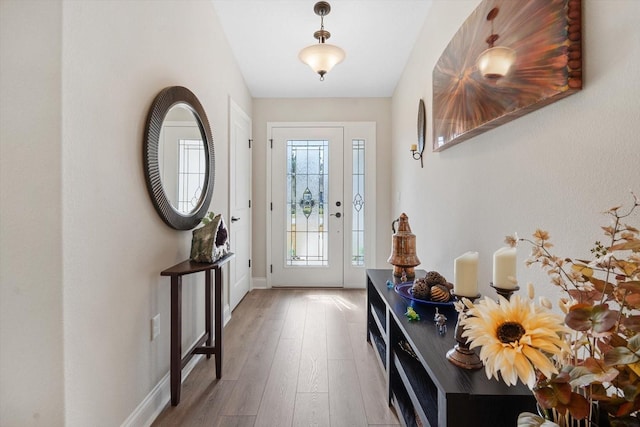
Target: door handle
(234, 219)
(337, 215)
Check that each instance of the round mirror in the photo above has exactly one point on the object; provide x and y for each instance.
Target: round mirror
(178, 158)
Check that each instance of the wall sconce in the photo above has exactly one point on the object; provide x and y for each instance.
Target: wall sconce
(418, 149)
(495, 62)
(417, 155)
(322, 57)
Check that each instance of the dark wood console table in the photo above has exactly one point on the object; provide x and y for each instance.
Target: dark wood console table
(177, 361)
(425, 388)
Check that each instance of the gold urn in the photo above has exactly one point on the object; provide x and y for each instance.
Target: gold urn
(403, 249)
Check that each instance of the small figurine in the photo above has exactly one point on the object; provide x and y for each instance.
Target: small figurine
(441, 322)
(389, 284)
(411, 314)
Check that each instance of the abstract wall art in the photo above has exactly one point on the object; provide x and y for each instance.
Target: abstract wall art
(510, 57)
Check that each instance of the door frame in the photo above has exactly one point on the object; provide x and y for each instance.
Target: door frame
(352, 130)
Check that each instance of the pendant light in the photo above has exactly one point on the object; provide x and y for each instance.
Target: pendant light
(495, 62)
(321, 57)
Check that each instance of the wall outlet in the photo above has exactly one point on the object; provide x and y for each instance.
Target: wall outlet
(155, 326)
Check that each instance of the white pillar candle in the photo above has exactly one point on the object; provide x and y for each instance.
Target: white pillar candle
(465, 275)
(504, 268)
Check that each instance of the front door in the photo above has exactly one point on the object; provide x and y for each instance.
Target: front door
(307, 216)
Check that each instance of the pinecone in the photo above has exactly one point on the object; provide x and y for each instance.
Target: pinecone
(420, 289)
(434, 278)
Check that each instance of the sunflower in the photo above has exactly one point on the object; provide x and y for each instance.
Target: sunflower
(516, 337)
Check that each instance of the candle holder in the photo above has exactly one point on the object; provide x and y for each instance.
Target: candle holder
(417, 155)
(504, 292)
(461, 355)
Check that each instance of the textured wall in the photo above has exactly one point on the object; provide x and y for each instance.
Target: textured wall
(557, 168)
(31, 350)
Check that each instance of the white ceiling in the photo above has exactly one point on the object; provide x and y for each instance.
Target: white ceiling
(266, 36)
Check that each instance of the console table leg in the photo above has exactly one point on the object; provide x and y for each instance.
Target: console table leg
(176, 339)
(207, 310)
(219, 322)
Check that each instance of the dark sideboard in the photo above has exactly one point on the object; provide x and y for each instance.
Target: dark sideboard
(424, 387)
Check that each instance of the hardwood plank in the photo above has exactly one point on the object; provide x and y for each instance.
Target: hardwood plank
(358, 309)
(235, 421)
(312, 376)
(196, 393)
(295, 318)
(311, 409)
(279, 305)
(338, 343)
(292, 357)
(346, 408)
(214, 399)
(247, 394)
(371, 378)
(278, 399)
(240, 334)
(245, 398)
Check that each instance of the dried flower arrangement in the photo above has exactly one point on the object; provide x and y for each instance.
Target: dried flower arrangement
(590, 360)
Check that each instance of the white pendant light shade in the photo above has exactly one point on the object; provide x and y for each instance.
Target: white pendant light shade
(321, 57)
(496, 62)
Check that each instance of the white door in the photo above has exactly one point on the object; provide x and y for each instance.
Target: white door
(322, 203)
(307, 196)
(240, 204)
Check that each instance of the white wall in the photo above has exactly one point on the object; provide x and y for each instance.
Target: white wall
(557, 168)
(318, 110)
(31, 350)
(89, 199)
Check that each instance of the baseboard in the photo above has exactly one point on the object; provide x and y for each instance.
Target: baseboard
(155, 402)
(354, 285)
(258, 283)
(226, 315)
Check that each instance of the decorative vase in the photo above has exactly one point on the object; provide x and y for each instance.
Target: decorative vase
(598, 418)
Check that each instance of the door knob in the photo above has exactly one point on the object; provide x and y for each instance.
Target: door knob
(234, 219)
(337, 215)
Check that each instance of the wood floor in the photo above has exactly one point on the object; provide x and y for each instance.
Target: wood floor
(291, 358)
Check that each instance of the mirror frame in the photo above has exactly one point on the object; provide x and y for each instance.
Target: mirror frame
(164, 101)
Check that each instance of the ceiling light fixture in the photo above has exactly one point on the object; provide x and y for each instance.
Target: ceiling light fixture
(321, 57)
(495, 62)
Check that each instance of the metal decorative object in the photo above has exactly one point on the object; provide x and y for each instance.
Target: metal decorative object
(441, 322)
(461, 355)
(403, 249)
(322, 57)
(505, 292)
(547, 66)
(422, 126)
